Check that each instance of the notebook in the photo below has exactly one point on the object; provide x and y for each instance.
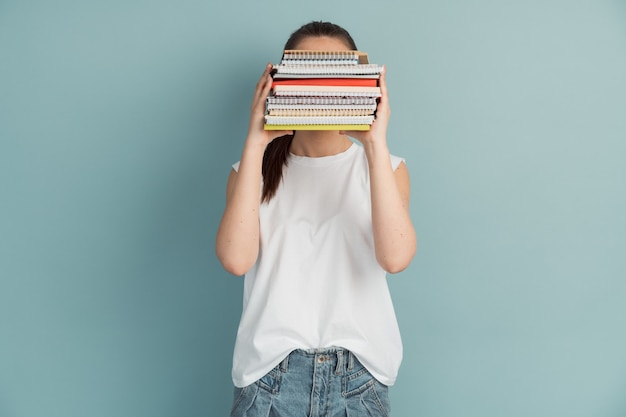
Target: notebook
(323, 90)
(358, 82)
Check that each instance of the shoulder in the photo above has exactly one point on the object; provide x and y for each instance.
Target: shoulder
(396, 161)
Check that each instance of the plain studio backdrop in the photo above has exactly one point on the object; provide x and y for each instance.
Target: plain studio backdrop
(119, 122)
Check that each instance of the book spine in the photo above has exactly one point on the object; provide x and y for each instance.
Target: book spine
(360, 82)
(327, 93)
(329, 88)
(328, 120)
(317, 127)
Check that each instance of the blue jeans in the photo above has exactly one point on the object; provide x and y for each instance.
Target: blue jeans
(314, 383)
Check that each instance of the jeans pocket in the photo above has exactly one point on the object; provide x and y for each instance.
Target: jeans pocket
(256, 399)
(365, 395)
(271, 381)
(356, 381)
(242, 400)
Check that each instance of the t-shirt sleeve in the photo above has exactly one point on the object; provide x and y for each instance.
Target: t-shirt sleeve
(236, 166)
(396, 161)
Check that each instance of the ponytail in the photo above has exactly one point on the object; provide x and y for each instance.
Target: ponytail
(274, 158)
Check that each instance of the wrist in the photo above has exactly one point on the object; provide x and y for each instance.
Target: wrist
(256, 139)
(377, 153)
(254, 147)
(376, 146)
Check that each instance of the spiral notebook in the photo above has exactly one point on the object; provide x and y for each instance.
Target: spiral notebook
(323, 90)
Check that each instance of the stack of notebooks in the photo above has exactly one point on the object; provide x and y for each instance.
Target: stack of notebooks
(323, 90)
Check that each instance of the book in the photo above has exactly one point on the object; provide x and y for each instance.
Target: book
(322, 101)
(323, 93)
(337, 90)
(318, 127)
(319, 120)
(361, 82)
(370, 108)
(323, 90)
(286, 76)
(343, 70)
(291, 112)
(355, 57)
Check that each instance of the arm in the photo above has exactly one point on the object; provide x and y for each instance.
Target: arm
(395, 241)
(237, 241)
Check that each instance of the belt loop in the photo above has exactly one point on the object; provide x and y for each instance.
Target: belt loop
(284, 365)
(339, 368)
(350, 361)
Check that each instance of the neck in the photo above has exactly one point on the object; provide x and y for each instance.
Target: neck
(319, 143)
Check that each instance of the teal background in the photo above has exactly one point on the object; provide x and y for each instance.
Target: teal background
(118, 124)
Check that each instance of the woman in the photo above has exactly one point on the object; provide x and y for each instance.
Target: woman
(318, 334)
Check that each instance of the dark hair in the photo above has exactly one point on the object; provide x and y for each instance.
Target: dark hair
(276, 153)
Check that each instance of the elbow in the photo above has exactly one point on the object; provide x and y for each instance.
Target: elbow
(394, 264)
(235, 267)
(236, 259)
(235, 263)
(397, 261)
(394, 267)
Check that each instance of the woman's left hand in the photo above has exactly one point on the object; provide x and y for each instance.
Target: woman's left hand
(378, 129)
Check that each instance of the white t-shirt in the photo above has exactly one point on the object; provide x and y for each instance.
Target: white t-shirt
(316, 282)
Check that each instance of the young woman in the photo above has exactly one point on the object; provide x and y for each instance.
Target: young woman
(315, 221)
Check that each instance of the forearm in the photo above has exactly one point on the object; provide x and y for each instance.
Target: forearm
(237, 243)
(394, 235)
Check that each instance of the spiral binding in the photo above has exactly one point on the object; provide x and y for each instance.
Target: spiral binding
(320, 55)
(362, 107)
(324, 101)
(358, 69)
(319, 112)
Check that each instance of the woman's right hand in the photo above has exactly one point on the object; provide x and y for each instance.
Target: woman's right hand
(256, 132)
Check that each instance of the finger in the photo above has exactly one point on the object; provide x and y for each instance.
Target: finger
(382, 82)
(383, 103)
(381, 78)
(263, 91)
(266, 72)
(262, 83)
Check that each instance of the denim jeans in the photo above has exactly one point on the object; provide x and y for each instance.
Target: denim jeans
(314, 383)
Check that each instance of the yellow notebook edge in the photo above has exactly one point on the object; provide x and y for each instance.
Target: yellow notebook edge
(317, 127)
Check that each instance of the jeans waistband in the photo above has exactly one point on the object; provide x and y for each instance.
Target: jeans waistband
(343, 358)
